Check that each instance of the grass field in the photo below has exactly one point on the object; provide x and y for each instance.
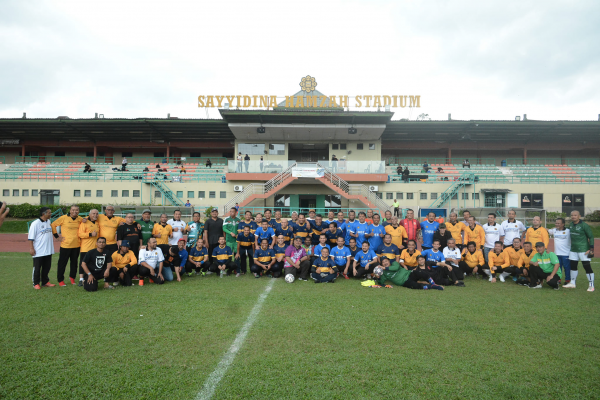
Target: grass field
(327, 341)
(14, 227)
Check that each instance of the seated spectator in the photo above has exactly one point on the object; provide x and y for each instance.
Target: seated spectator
(182, 170)
(157, 166)
(146, 169)
(88, 168)
(440, 170)
(426, 167)
(208, 163)
(399, 170)
(466, 163)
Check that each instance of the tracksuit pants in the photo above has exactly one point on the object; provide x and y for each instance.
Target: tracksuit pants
(565, 264)
(464, 267)
(41, 269)
(537, 274)
(322, 278)
(245, 257)
(230, 266)
(67, 256)
(93, 287)
(301, 273)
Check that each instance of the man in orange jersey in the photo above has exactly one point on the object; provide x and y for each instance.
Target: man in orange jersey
(88, 234)
(472, 260)
(497, 262)
(475, 233)
(108, 228)
(456, 229)
(69, 244)
(537, 233)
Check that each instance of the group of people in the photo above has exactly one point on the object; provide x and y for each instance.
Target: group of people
(246, 160)
(308, 247)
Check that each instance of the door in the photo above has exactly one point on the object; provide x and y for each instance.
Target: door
(307, 203)
(49, 197)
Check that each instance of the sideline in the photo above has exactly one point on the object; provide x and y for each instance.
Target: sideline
(215, 377)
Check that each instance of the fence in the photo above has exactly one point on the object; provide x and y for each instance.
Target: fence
(286, 212)
(109, 176)
(553, 161)
(435, 161)
(216, 161)
(498, 178)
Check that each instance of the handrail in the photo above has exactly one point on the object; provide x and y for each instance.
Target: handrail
(114, 160)
(446, 195)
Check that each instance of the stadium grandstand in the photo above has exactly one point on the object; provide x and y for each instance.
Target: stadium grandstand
(302, 158)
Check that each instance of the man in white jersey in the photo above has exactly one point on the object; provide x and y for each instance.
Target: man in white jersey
(452, 253)
(512, 228)
(493, 233)
(562, 246)
(178, 228)
(41, 248)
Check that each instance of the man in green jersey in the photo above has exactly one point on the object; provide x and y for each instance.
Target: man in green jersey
(394, 273)
(195, 229)
(230, 230)
(582, 249)
(146, 226)
(544, 265)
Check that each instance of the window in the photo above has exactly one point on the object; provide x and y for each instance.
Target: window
(423, 196)
(335, 146)
(32, 154)
(201, 194)
(99, 193)
(277, 149)
(389, 196)
(25, 193)
(333, 201)
(6, 192)
(76, 193)
(465, 196)
(87, 193)
(89, 154)
(359, 146)
(159, 154)
(34, 192)
(190, 194)
(16, 192)
(409, 196)
(342, 146)
(371, 146)
(195, 155)
(127, 154)
(251, 148)
(136, 193)
(475, 196)
(532, 200)
(180, 194)
(212, 195)
(282, 200)
(157, 194)
(59, 153)
(399, 196)
(223, 195)
(433, 196)
(455, 196)
(494, 200)
(124, 193)
(114, 193)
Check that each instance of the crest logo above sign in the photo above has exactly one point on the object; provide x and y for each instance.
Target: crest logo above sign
(308, 83)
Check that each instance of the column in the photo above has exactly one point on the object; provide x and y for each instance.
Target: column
(168, 151)
(23, 150)
(449, 157)
(524, 156)
(95, 152)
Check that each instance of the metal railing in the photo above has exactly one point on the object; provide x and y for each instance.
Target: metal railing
(448, 194)
(286, 212)
(435, 161)
(164, 189)
(107, 176)
(220, 161)
(546, 178)
(258, 167)
(553, 161)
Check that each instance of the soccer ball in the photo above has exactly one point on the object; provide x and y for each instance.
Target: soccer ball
(289, 278)
(378, 271)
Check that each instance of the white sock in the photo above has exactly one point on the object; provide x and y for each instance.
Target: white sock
(574, 276)
(80, 279)
(487, 272)
(591, 279)
(505, 274)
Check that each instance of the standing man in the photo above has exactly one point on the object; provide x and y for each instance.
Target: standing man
(194, 230)
(109, 223)
(443, 236)
(330, 218)
(178, 227)
(456, 229)
(239, 162)
(369, 217)
(545, 265)
(247, 222)
(375, 233)
(475, 233)
(333, 233)
(124, 164)
(302, 228)
(537, 233)
(96, 265)
(268, 217)
(162, 232)
(512, 228)
(388, 250)
(466, 216)
(69, 244)
(311, 215)
(396, 205)
(493, 234)
(397, 232)
(411, 226)
(285, 230)
(276, 223)
(230, 229)
(387, 219)
(318, 229)
(131, 232)
(146, 225)
(245, 249)
(428, 229)
(359, 229)
(213, 230)
(347, 226)
(582, 249)
(41, 248)
(562, 246)
(88, 234)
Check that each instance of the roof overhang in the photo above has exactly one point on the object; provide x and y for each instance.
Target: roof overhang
(496, 190)
(306, 132)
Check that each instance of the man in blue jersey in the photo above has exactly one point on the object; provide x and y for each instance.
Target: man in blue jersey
(285, 230)
(341, 257)
(333, 233)
(247, 221)
(441, 273)
(318, 229)
(279, 250)
(428, 229)
(197, 258)
(222, 259)
(388, 250)
(195, 230)
(276, 222)
(353, 247)
(346, 227)
(245, 249)
(359, 229)
(323, 269)
(319, 246)
(340, 219)
(375, 233)
(264, 258)
(264, 231)
(364, 261)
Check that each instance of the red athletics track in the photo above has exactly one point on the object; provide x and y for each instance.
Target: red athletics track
(18, 242)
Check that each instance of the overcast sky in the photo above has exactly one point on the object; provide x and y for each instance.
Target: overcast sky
(474, 59)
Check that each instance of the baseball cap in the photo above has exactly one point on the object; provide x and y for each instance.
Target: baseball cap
(125, 243)
(181, 240)
(311, 210)
(147, 210)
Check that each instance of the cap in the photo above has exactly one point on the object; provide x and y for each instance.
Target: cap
(125, 243)
(311, 210)
(147, 210)
(540, 244)
(181, 240)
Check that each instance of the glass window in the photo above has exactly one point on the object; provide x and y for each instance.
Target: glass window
(335, 146)
(25, 193)
(59, 153)
(433, 196)
(371, 146)
(195, 154)
(16, 192)
(212, 195)
(157, 194)
(475, 196)
(201, 194)
(251, 148)
(342, 146)
(423, 196)
(333, 201)
(136, 193)
(465, 196)
(223, 195)
(277, 149)
(114, 193)
(409, 196)
(389, 196)
(34, 192)
(359, 146)
(125, 193)
(455, 196)
(76, 193)
(159, 154)
(6, 192)
(180, 194)
(87, 193)
(282, 200)
(99, 193)
(190, 194)
(127, 154)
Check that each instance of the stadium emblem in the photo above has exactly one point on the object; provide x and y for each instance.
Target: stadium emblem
(308, 83)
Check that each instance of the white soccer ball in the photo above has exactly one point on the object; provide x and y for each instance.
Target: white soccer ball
(289, 278)
(378, 271)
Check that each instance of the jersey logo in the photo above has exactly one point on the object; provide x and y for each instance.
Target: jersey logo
(100, 261)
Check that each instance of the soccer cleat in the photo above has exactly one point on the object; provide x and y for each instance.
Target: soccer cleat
(135, 278)
(141, 282)
(302, 279)
(460, 284)
(237, 275)
(570, 285)
(150, 280)
(49, 285)
(502, 278)
(80, 282)
(346, 276)
(590, 289)
(437, 287)
(256, 275)
(72, 280)
(208, 272)
(37, 287)
(62, 284)
(535, 287)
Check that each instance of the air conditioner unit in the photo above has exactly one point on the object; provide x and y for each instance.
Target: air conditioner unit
(238, 188)
(373, 188)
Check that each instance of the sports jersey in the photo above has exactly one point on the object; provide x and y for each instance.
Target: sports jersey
(428, 229)
(316, 231)
(476, 235)
(264, 256)
(526, 259)
(398, 234)
(391, 251)
(198, 255)
(151, 257)
(230, 227)
(280, 250)
(359, 229)
(317, 249)
(326, 265)
(269, 222)
(332, 237)
(432, 256)
(498, 260)
(130, 233)
(294, 253)
(512, 230)
(108, 227)
(394, 273)
(147, 227)
(534, 235)
(365, 258)
(69, 229)
(120, 261)
(492, 234)
(177, 260)
(274, 224)
(96, 261)
(309, 249)
(562, 241)
(375, 241)
(353, 251)
(474, 259)
(196, 231)
(302, 230)
(164, 232)
(546, 262)
(288, 233)
(252, 225)
(408, 259)
(582, 238)
(40, 233)
(261, 234)
(346, 229)
(222, 254)
(450, 253)
(85, 230)
(246, 241)
(340, 256)
(456, 229)
(180, 225)
(513, 255)
(411, 226)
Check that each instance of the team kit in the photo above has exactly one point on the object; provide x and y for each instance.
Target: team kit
(362, 246)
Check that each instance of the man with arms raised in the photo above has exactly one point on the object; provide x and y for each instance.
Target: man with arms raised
(69, 244)
(582, 249)
(96, 265)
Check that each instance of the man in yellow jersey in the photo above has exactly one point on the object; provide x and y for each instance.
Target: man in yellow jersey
(124, 265)
(537, 233)
(475, 233)
(497, 262)
(162, 232)
(397, 231)
(408, 257)
(69, 244)
(456, 229)
(88, 234)
(472, 260)
(514, 255)
(108, 228)
(524, 262)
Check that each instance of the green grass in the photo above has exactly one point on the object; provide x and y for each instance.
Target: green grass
(328, 341)
(14, 227)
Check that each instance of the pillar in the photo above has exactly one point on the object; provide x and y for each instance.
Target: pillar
(168, 151)
(449, 157)
(524, 156)
(96, 153)
(23, 150)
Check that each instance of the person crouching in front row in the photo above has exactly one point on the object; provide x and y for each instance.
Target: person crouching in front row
(323, 269)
